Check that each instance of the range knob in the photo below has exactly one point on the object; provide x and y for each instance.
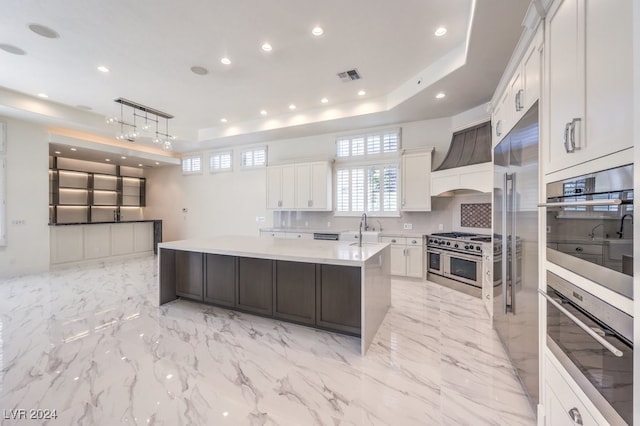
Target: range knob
(478, 248)
(456, 245)
(466, 247)
(448, 243)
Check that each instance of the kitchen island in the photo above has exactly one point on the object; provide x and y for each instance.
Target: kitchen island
(331, 285)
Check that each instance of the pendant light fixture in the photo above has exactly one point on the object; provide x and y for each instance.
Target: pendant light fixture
(149, 115)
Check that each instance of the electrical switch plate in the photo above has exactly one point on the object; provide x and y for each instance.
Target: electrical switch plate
(440, 227)
(408, 226)
(259, 218)
(328, 224)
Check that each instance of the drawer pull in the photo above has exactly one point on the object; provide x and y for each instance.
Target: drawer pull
(579, 249)
(414, 242)
(575, 415)
(393, 241)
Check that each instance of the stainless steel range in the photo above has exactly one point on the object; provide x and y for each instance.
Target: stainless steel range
(454, 259)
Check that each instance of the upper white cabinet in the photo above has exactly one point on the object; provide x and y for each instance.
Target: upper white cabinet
(589, 57)
(522, 91)
(416, 180)
(313, 186)
(302, 186)
(280, 187)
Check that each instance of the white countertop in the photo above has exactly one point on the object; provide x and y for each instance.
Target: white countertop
(310, 251)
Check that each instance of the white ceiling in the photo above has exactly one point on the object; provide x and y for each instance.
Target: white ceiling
(150, 46)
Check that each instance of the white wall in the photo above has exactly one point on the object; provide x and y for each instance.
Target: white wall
(27, 189)
(229, 203)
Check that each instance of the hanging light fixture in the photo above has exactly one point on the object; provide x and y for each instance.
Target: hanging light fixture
(150, 116)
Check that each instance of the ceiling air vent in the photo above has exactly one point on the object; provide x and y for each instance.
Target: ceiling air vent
(349, 75)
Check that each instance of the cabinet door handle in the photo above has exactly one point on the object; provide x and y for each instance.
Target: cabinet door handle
(414, 242)
(393, 241)
(279, 203)
(404, 252)
(575, 415)
(573, 133)
(310, 203)
(519, 105)
(499, 128)
(567, 127)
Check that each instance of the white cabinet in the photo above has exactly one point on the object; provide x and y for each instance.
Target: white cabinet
(522, 91)
(302, 186)
(313, 186)
(122, 239)
(477, 177)
(416, 180)
(561, 403)
(407, 258)
(281, 187)
(97, 241)
(142, 236)
(67, 243)
(589, 57)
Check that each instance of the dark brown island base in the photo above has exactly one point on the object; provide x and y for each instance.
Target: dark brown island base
(330, 285)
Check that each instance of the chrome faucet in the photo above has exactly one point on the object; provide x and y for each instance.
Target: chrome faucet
(360, 235)
(593, 234)
(364, 218)
(621, 231)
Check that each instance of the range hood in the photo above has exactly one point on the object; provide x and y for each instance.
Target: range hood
(467, 166)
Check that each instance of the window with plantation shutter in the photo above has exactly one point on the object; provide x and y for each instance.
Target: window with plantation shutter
(191, 165)
(367, 169)
(253, 157)
(220, 162)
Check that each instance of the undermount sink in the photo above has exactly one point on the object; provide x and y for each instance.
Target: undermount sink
(364, 244)
(367, 236)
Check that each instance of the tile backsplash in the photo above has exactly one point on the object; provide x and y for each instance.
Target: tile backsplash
(476, 215)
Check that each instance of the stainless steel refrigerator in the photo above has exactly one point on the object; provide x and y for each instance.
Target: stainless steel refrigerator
(515, 224)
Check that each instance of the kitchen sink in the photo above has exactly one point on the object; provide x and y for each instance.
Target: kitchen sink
(367, 236)
(364, 244)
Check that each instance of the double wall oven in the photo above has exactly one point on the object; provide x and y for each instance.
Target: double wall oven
(455, 259)
(590, 233)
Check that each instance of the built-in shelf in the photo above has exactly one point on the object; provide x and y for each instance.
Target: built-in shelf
(85, 197)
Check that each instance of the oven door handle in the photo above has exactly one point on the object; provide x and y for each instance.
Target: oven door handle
(582, 325)
(613, 202)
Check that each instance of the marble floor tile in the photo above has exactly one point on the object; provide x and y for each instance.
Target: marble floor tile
(91, 343)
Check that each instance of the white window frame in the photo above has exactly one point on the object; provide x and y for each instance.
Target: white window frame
(367, 159)
(253, 150)
(221, 169)
(191, 170)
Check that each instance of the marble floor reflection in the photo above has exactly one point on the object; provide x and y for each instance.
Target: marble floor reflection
(91, 343)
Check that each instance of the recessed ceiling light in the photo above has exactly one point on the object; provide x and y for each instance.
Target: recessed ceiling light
(196, 69)
(292, 107)
(440, 32)
(440, 95)
(267, 47)
(43, 31)
(139, 165)
(9, 48)
(107, 159)
(317, 31)
(263, 112)
(226, 61)
(223, 120)
(362, 93)
(103, 69)
(123, 157)
(157, 163)
(324, 100)
(74, 149)
(57, 152)
(43, 95)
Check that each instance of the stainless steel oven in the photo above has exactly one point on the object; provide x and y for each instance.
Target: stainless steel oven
(594, 342)
(590, 227)
(455, 258)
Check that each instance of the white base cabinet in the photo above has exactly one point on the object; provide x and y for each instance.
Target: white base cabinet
(407, 258)
(79, 243)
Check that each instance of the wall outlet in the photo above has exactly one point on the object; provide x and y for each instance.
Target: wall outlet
(260, 219)
(18, 222)
(328, 224)
(306, 224)
(408, 226)
(548, 229)
(440, 227)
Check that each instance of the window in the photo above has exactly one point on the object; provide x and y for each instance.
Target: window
(220, 161)
(254, 157)
(381, 142)
(192, 165)
(367, 174)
